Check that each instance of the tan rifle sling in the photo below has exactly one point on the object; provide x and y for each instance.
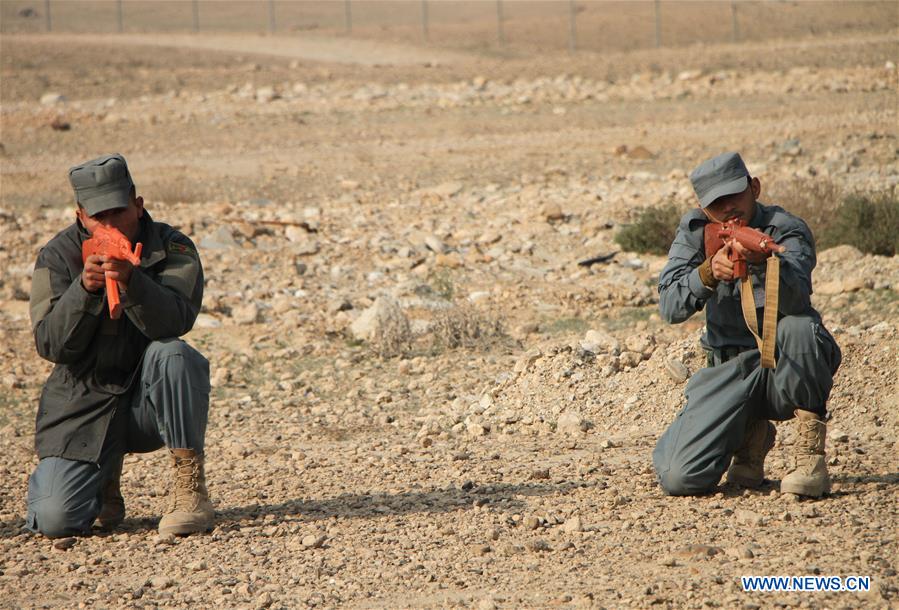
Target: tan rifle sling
(772, 297)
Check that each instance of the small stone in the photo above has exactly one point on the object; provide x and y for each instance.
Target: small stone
(573, 524)
(677, 370)
(314, 541)
(51, 99)
(697, 550)
(538, 546)
(570, 422)
(264, 600)
(531, 522)
(748, 517)
(164, 540)
(540, 474)
(246, 314)
(63, 544)
(552, 212)
(160, 581)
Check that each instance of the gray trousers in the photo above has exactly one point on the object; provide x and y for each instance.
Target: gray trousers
(168, 408)
(696, 449)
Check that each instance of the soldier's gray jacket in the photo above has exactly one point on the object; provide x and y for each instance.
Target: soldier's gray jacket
(682, 293)
(98, 359)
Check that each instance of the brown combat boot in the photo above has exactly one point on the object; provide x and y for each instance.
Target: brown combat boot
(190, 511)
(112, 512)
(809, 478)
(748, 467)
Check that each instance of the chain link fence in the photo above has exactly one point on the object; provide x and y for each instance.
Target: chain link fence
(486, 25)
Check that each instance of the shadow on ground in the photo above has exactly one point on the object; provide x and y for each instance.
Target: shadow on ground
(356, 506)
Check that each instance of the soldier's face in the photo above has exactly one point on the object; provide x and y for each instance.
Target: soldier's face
(738, 205)
(126, 220)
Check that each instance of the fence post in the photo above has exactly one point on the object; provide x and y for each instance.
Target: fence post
(500, 35)
(733, 17)
(572, 26)
(658, 24)
(271, 16)
(47, 19)
(120, 16)
(348, 16)
(195, 5)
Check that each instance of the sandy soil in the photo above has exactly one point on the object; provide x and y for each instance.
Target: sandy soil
(511, 470)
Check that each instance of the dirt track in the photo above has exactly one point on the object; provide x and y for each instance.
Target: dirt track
(448, 477)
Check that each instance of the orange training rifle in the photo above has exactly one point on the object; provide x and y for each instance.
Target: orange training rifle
(717, 235)
(111, 243)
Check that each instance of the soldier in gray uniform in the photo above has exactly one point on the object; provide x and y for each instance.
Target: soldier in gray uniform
(119, 385)
(725, 423)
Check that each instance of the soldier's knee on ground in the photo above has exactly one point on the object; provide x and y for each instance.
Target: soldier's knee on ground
(55, 519)
(678, 482)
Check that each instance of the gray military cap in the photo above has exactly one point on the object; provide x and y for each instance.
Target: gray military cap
(102, 184)
(719, 176)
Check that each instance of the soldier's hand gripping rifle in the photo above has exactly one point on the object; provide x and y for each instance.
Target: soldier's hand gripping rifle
(111, 243)
(717, 235)
(725, 233)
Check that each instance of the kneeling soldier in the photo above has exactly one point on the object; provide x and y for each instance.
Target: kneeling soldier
(749, 381)
(123, 382)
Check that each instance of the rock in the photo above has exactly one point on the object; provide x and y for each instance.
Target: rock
(245, 314)
(447, 189)
(599, 342)
(538, 546)
(641, 343)
(160, 581)
(830, 288)
(529, 358)
(640, 153)
(573, 524)
(314, 541)
(741, 552)
(677, 370)
(264, 600)
(531, 522)
(552, 212)
(60, 124)
(373, 319)
(63, 544)
(698, 550)
(487, 604)
(266, 94)
(204, 320)
(434, 244)
(51, 99)
(220, 239)
(570, 422)
(748, 517)
(450, 260)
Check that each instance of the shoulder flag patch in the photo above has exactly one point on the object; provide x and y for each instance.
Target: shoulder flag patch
(174, 247)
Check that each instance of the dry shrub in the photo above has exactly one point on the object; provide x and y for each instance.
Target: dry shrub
(652, 232)
(814, 201)
(392, 335)
(464, 326)
(867, 221)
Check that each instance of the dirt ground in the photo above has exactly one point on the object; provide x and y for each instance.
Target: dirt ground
(494, 463)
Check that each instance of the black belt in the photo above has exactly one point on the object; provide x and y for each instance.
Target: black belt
(720, 355)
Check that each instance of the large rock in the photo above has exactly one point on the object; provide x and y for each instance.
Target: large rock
(367, 325)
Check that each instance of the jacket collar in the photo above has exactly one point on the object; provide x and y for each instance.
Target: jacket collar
(154, 248)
